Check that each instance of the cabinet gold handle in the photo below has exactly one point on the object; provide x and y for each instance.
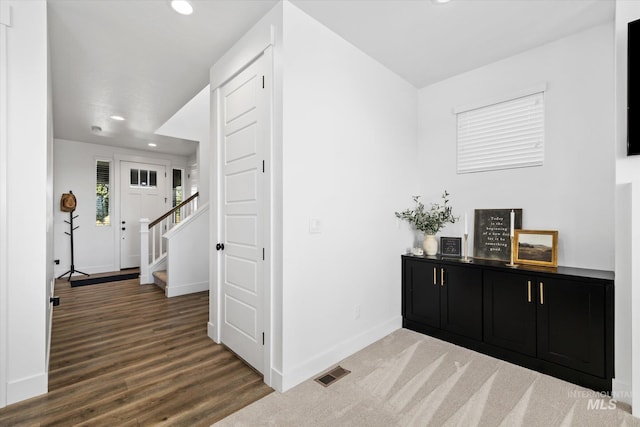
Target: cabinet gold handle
(435, 276)
(529, 291)
(442, 277)
(541, 293)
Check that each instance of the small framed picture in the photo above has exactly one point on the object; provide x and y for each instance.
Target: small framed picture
(536, 247)
(451, 246)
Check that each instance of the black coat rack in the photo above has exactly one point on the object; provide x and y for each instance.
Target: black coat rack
(71, 270)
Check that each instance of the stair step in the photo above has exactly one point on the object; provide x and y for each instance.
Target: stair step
(160, 278)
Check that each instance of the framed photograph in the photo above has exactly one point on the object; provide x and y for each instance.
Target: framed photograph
(536, 247)
(451, 246)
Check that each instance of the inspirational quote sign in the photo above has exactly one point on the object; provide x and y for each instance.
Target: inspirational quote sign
(491, 233)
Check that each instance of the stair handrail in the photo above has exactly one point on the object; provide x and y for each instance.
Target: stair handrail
(152, 245)
(175, 209)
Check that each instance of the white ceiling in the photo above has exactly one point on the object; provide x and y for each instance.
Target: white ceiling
(426, 42)
(141, 60)
(138, 59)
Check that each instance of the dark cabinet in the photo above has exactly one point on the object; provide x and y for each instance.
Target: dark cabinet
(510, 311)
(557, 322)
(571, 324)
(422, 293)
(461, 300)
(444, 296)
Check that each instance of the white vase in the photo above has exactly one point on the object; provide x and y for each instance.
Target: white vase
(430, 244)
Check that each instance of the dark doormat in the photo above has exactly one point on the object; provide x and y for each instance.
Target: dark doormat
(104, 279)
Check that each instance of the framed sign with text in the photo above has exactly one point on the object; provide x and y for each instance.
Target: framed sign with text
(451, 246)
(491, 230)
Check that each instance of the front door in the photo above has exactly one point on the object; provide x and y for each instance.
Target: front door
(142, 195)
(241, 202)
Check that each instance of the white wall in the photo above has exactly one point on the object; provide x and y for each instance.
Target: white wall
(5, 22)
(25, 276)
(348, 156)
(188, 255)
(75, 169)
(49, 204)
(573, 191)
(192, 122)
(627, 338)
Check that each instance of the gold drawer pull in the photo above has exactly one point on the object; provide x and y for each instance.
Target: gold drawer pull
(529, 291)
(442, 277)
(541, 293)
(435, 276)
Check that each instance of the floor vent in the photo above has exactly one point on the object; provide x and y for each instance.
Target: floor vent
(332, 376)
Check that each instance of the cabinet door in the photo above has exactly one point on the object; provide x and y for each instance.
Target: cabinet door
(510, 311)
(571, 324)
(422, 293)
(461, 300)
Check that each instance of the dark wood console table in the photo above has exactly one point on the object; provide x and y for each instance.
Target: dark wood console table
(559, 322)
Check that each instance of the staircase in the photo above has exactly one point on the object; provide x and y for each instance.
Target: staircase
(176, 246)
(160, 278)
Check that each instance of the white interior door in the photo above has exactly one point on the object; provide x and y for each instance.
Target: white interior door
(142, 195)
(241, 213)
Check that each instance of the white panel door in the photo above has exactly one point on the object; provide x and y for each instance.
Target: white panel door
(142, 195)
(241, 261)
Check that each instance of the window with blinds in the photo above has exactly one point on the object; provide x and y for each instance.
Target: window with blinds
(102, 193)
(503, 135)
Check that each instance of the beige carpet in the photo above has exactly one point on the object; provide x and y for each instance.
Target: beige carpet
(409, 379)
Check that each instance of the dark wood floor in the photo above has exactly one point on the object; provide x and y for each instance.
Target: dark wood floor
(124, 355)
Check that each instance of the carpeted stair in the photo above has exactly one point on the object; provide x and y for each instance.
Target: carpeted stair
(160, 278)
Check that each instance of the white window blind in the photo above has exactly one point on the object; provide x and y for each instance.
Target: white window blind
(503, 135)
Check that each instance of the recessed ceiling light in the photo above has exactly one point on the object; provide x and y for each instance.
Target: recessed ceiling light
(183, 7)
(151, 144)
(118, 118)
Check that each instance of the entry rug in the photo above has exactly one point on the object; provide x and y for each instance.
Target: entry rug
(104, 279)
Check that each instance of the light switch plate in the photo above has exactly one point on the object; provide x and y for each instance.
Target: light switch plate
(315, 226)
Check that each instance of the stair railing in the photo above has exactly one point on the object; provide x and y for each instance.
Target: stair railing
(152, 245)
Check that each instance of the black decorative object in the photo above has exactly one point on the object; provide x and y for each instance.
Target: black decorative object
(67, 197)
(491, 233)
(451, 246)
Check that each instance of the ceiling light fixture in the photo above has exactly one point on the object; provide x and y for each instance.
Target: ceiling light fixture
(118, 118)
(151, 144)
(183, 7)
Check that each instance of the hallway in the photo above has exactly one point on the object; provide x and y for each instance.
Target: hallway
(124, 354)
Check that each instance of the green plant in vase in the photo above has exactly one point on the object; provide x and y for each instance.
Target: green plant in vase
(429, 221)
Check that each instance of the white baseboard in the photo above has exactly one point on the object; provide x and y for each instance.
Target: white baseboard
(276, 380)
(26, 388)
(338, 352)
(621, 391)
(212, 332)
(191, 288)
